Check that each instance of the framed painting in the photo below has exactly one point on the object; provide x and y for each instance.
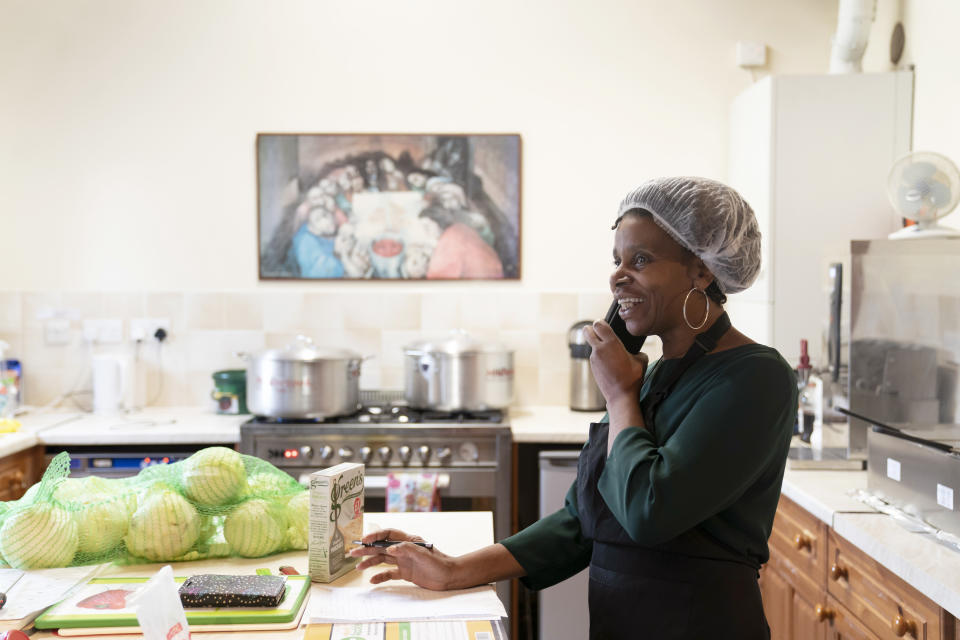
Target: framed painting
(389, 206)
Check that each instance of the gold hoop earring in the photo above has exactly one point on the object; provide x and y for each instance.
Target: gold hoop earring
(706, 314)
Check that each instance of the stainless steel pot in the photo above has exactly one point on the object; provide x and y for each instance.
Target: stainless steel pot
(458, 374)
(303, 381)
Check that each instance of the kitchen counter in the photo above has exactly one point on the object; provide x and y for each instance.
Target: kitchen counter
(155, 425)
(454, 532)
(194, 425)
(825, 494)
(551, 424)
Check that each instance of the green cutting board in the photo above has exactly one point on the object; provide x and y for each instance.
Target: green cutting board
(106, 607)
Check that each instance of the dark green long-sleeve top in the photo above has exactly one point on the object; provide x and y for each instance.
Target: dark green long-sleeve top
(704, 481)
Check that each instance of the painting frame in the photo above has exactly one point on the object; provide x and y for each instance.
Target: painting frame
(389, 206)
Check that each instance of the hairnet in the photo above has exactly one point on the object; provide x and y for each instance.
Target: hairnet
(708, 218)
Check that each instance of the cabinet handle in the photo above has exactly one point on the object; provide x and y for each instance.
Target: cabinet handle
(16, 480)
(823, 613)
(803, 540)
(901, 626)
(837, 572)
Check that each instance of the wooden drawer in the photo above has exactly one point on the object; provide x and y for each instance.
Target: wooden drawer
(884, 603)
(798, 549)
(17, 473)
(842, 625)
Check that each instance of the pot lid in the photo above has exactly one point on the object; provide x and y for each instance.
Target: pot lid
(302, 349)
(457, 342)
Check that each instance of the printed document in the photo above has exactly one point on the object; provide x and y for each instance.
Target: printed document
(403, 602)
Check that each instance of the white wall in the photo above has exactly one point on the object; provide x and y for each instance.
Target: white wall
(128, 126)
(933, 46)
(127, 166)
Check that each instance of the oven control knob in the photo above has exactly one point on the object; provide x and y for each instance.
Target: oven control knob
(424, 452)
(345, 453)
(404, 452)
(326, 452)
(385, 452)
(365, 453)
(306, 452)
(443, 454)
(469, 452)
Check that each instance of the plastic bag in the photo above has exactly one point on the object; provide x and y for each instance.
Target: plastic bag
(159, 610)
(216, 503)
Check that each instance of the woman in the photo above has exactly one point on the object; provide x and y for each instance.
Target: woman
(675, 495)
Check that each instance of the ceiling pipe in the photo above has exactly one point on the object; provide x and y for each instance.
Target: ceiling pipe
(854, 19)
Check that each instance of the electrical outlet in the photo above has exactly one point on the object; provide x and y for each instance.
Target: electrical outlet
(103, 330)
(751, 54)
(56, 331)
(145, 328)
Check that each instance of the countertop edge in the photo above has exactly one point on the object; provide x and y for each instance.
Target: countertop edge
(850, 527)
(816, 492)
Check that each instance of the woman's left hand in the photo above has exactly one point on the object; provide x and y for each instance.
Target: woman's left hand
(618, 373)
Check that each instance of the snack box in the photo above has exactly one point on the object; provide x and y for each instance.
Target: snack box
(336, 519)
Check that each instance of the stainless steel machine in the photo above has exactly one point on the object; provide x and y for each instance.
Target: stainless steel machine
(471, 452)
(904, 363)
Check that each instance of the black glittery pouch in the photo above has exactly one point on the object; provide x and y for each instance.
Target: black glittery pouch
(217, 590)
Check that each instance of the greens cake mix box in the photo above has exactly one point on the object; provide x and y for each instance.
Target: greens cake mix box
(336, 519)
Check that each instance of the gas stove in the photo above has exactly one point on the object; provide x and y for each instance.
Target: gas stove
(395, 412)
(470, 453)
(384, 433)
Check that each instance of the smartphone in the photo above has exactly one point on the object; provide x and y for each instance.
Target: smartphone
(631, 342)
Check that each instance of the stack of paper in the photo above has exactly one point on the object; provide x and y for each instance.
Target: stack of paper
(421, 630)
(37, 589)
(403, 602)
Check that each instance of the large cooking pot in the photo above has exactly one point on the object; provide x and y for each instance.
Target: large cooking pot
(458, 373)
(303, 380)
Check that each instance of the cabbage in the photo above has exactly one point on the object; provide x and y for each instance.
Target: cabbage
(255, 528)
(101, 526)
(164, 527)
(101, 513)
(214, 476)
(270, 484)
(39, 536)
(298, 520)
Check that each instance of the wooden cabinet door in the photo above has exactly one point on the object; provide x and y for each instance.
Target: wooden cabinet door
(844, 626)
(807, 624)
(777, 603)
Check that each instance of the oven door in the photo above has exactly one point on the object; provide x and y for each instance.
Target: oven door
(120, 461)
(457, 489)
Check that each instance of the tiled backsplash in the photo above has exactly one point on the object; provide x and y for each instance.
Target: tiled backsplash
(208, 329)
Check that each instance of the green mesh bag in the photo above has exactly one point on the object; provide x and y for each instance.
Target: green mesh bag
(216, 503)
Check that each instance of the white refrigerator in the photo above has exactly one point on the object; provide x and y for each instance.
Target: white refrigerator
(562, 607)
(811, 154)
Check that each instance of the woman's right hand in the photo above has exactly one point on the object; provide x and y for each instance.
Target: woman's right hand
(427, 568)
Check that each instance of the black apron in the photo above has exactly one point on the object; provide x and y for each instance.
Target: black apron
(640, 592)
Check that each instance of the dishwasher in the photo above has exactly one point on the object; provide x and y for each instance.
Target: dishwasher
(563, 607)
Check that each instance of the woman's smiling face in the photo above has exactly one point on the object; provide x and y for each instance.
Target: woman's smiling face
(651, 276)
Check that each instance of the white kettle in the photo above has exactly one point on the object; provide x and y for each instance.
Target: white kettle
(112, 383)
